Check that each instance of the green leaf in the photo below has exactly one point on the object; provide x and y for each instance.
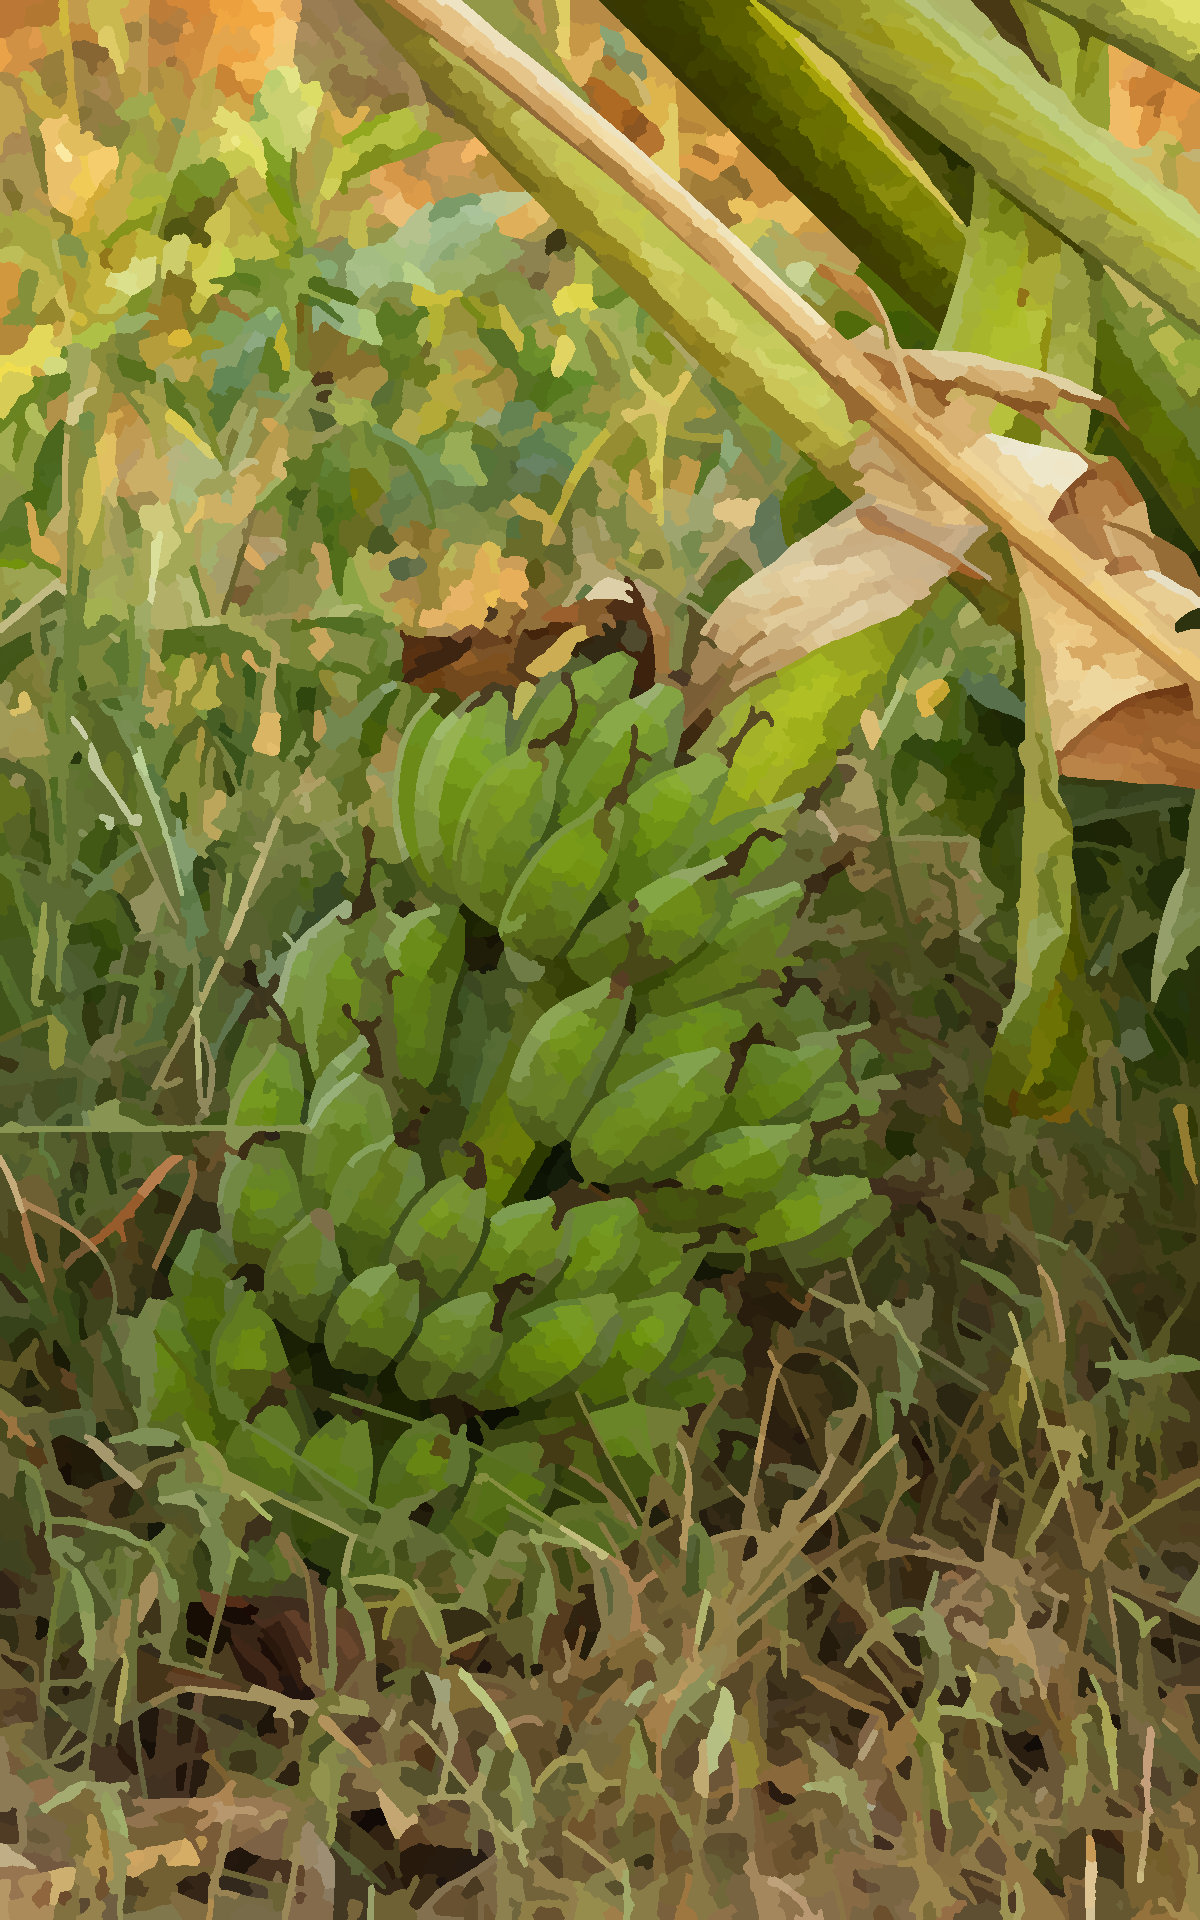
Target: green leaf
(1165, 34)
(379, 141)
(1039, 1061)
(686, 296)
(803, 116)
(1179, 933)
(1163, 1368)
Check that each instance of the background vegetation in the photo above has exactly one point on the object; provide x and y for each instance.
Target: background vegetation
(879, 1597)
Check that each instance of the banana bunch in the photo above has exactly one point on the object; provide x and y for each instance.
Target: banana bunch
(507, 1126)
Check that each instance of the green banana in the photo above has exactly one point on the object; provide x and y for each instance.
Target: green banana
(461, 751)
(172, 1387)
(746, 1166)
(781, 1083)
(321, 985)
(665, 820)
(626, 1030)
(259, 1199)
(650, 1329)
(246, 1358)
(268, 1086)
(370, 1320)
(566, 705)
(424, 955)
(667, 922)
(604, 762)
(551, 1346)
(370, 1197)
(425, 1461)
(415, 739)
(547, 715)
(351, 1114)
(199, 1281)
(302, 1274)
(751, 949)
(659, 1036)
(439, 1235)
(267, 1452)
(521, 1243)
(502, 826)
(708, 1344)
(646, 1126)
(557, 886)
(455, 1345)
(336, 1470)
(822, 1219)
(600, 1243)
(563, 1058)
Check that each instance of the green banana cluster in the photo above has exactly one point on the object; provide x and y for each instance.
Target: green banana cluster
(532, 1102)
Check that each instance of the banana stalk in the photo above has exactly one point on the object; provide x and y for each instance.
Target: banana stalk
(1163, 33)
(799, 112)
(990, 105)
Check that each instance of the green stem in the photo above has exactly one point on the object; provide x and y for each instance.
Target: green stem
(1163, 33)
(796, 109)
(992, 106)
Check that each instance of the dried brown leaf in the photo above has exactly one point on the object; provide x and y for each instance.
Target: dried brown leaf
(1116, 712)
